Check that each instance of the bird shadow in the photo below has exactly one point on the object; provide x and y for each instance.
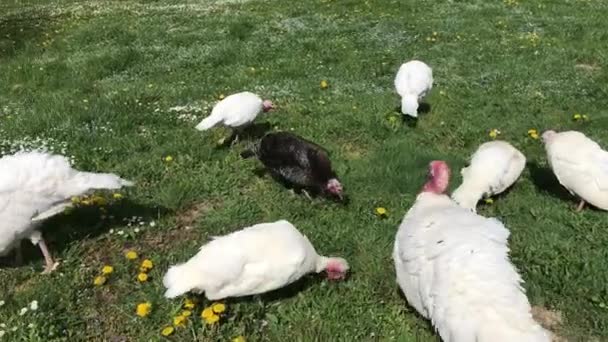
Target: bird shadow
(284, 293)
(82, 223)
(424, 107)
(424, 321)
(410, 121)
(545, 181)
(251, 132)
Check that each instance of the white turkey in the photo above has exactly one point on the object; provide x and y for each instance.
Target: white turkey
(236, 111)
(580, 165)
(35, 186)
(494, 167)
(254, 260)
(453, 267)
(413, 82)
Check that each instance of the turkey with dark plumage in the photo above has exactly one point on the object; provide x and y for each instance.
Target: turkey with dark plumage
(298, 162)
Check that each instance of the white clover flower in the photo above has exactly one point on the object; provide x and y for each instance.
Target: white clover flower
(22, 311)
(34, 305)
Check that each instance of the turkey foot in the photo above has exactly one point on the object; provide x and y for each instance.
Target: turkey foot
(51, 265)
(580, 206)
(307, 194)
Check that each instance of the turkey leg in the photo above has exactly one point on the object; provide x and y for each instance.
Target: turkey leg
(580, 206)
(50, 264)
(37, 239)
(307, 194)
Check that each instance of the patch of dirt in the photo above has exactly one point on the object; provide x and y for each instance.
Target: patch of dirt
(166, 240)
(189, 216)
(352, 152)
(550, 320)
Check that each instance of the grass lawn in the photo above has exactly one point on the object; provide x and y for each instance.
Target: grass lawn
(120, 85)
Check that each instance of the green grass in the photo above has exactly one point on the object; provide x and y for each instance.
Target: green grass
(96, 80)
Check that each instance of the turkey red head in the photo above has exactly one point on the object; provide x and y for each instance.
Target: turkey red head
(438, 177)
(267, 106)
(334, 187)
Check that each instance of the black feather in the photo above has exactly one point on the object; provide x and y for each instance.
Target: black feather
(296, 160)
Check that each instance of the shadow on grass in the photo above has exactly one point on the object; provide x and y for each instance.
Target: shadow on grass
(545, 181)
(20, 28)
(252, 132)
(83, 223)
(281, 294)
(425, 323)
(410, 121)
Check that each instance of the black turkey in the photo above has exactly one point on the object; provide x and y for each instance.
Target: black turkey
(298, 162)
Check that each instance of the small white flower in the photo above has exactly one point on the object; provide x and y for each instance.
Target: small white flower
(13, 329)
(152, 224)
(111, 231)
(2, 303)
(2, 332)
(22, 311)
(34, 305)
(31, 325)
(2, 325)
(120, 232)
(136, 230)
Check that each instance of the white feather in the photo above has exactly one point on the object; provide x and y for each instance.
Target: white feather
(413, 82)
(253, 260)
(37, 185)
(453, 267)
(234, 111)
(580, 165)
(494, 167)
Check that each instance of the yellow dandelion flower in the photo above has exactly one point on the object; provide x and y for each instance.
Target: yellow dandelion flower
(221, 97)
(585, 117)
(212, 320)
(186, 313)
(380, 211)
(494, 133)
(117, 195)
(99, 280)
(240, 338)
(142, 277)
(143, 309)
(189, 304)
(167, 331)
(107, 269)
(179, 321)
(489, 200)
(218, 308)
(147, 264)
(131, 255)
(208, 312)
(324, 84)
(168, 159)
(533, 133)
(577, 116)
(100, 201)
(85, 202)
